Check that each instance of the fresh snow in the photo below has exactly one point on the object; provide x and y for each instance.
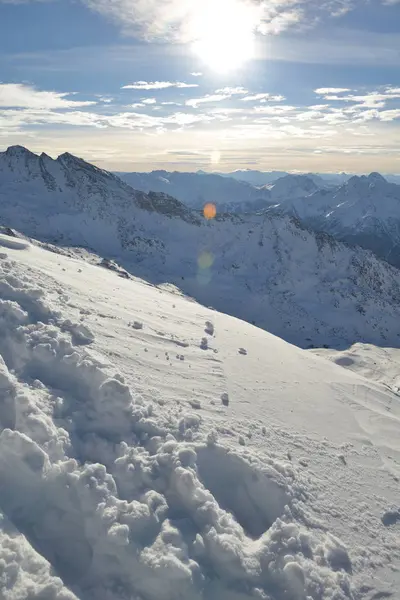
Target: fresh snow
(249, 468)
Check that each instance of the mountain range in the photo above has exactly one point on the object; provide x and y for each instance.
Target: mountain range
(267, 269)
(362, 210)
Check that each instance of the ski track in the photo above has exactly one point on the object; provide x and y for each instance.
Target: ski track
(114, 488)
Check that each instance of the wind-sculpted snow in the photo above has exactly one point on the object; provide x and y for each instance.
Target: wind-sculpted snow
(105, 496)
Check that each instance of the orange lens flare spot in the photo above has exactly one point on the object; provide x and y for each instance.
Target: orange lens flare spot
(210, 211)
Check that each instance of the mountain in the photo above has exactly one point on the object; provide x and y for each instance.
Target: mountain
(197, 189)
(154, 449)
(262, 178)
(300, 285)
(256, 178)
(392, 178)
(292, 187)
(364, 211)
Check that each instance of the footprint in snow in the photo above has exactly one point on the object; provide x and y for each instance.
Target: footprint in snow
(209, 328)
(195, 404)
(243, 351)
(225, 399)
(391, 517)
(204, 343)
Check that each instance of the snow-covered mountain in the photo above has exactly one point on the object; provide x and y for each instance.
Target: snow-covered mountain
(292, 187)
(197, 189)
(262, 178)
(256, 178)
(364, 211)
(154, 449)
(305, 287)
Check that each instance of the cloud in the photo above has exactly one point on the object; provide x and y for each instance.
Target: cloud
(196, 74)
(282, 21)
(331, 90)
(264, 97)
(375, 99)
(187, 20)
(232, 91)
(194, 102)
(13, 119)
(149, 101)
(158, 85)
(274, 110)
(19, 95)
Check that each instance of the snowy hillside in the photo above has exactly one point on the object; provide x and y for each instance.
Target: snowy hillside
(197, 189)
(154, 449)
(365, 211)
(301, 286)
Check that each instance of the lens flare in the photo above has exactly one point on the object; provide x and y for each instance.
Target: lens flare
(205, 260)
(210, 211)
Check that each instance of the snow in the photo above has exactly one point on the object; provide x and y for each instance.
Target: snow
(302, 286)
(281, 484)
(197, 189)
(364, 211)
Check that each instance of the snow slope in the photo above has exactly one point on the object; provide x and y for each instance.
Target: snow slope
(176, 452)
(364, 211)
(197, 189)
(299, 285)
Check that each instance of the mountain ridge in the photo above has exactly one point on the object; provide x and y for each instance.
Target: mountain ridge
(305, 287)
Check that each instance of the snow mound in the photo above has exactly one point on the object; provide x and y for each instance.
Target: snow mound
(121, 501)
(13, 243)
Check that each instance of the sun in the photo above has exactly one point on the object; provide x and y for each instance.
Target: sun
(225, 33)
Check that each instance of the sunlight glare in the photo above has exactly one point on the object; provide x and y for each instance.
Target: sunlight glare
(225, 33)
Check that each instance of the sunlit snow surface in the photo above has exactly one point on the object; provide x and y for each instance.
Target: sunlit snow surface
(154, 449)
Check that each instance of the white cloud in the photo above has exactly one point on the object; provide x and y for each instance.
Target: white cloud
(264, 97)
(389, 115)
(331, 90)
(105, 99)
(274, 110)
(375, 99)
(149, 101)
(196, 74)
(186, 20)
(194, 102)
(15, 119)
(281, 20)
(19, 95)
(158, 85)
(232, 91)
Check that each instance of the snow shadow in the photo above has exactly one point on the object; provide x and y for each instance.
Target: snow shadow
(255, 499)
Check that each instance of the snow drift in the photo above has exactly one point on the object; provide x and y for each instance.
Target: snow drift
(111, 487)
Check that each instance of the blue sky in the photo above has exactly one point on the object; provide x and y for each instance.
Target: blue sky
(210, 84)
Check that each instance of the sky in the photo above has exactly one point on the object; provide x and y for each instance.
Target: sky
(218, 85)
